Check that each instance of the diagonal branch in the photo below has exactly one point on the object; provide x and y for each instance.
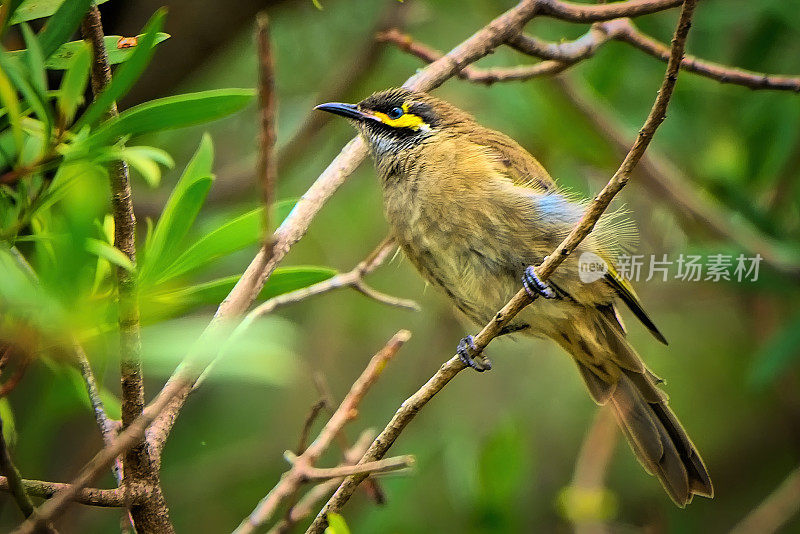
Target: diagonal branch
(778, 508)
(449, 369)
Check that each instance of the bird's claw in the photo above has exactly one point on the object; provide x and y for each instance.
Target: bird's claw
(534, 286)
(471, 356)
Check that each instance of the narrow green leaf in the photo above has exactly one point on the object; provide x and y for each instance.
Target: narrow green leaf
(66, 176)
(172, 112)
(126, 76)
(35, 61)
(73, 85)
(37, 9)
(109, 252)
(336, 523)
(7, 10)
(31, 97)
(62, 25)
(8, 97)
(180, 211)
(234, 235)
(144, 159)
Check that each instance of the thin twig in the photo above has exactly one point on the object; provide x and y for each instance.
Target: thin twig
(709, 69)
(108, 427)
(449, 369)
(353, 279)
(385, 465)
(778, 508)
(13, 478)
(266, 167)
(591, 467)
(347, 410)
(307, 424)
(107, 498)
(306, 505)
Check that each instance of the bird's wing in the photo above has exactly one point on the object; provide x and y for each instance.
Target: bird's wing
(625, 291)
(514, 161)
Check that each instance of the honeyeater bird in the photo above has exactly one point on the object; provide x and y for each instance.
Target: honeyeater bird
(474, 211)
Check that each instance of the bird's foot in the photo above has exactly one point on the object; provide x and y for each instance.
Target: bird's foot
(471, 356)
(534, 286)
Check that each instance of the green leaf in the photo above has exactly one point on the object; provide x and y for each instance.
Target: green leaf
(8, 97)
(336, 523)
(282, 208)
(778, 353)
(234, 235)
(35, 61)
(66, 176)
(7, 10)
(172, 112)
(62, 25)
(145, 160)
(9, 422)
(73, 85)
(283, 280)
(180, 211)
(109, 252)
(37, 9)
(264, 354)
(127, 75)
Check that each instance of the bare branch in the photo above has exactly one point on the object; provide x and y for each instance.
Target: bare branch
(108, 498)
(310, 418)
(346, 411)
(353, 278)
(449, 369)
(572, 12)
(386, 465)
(779, 506)
(266, 167)
(721, 73)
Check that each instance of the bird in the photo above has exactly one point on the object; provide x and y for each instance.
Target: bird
(474, 212)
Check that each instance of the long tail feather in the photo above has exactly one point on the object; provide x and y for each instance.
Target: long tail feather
(616, 375)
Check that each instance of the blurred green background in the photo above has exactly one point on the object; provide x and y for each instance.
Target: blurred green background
(496, 450)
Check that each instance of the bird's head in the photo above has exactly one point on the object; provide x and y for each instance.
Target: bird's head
(397, 119)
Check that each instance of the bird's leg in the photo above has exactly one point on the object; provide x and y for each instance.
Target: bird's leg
(534, 286)
(471, 356)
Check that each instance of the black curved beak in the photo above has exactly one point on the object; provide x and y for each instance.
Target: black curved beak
(345, 110)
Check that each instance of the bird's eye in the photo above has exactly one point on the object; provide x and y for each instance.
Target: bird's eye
(395, 113)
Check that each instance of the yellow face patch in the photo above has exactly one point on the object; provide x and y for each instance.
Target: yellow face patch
(406, 120)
